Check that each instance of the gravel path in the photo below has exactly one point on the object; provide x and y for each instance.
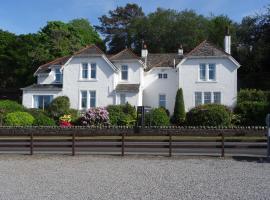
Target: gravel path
(131, 177)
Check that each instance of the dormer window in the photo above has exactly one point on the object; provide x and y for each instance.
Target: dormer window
(58, 75)
(124, 72)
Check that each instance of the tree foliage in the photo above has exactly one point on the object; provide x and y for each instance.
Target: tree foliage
(179, 113)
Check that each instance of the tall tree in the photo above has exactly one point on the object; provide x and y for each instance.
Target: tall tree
(179, 113)
(116, 26)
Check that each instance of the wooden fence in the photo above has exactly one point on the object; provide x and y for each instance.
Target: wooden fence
(77, 140)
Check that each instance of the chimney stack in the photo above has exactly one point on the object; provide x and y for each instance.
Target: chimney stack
(180, 51)
(144, 51)
(227, 41)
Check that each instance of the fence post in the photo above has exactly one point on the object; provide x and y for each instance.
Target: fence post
(170, 145)
(73, 143)
(31, 143)
(222, 145)
(123, 144)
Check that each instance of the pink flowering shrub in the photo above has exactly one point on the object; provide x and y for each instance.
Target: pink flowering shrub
(95, 117)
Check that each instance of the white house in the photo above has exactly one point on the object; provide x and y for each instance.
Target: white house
(90, 78)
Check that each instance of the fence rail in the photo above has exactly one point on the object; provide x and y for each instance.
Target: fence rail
(168, 140)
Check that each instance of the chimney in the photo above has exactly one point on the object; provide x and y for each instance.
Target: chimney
(144, 51)
(180, 50)
(227, 41)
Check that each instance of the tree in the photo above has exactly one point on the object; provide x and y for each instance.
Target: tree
(116, 26)
(179, 113)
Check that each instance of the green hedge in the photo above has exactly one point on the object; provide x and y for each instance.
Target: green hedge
(251, 95)
(157, 117)
(209, 115)
(41, 119)
(122, 115)
(252, 113)
(18, 119)
(58, 107)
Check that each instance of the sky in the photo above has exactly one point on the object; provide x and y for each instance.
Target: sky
(28, 16)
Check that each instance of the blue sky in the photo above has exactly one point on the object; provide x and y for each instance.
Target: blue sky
(28, 16)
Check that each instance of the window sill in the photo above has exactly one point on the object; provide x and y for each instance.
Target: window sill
(88, 80)
(206, 82)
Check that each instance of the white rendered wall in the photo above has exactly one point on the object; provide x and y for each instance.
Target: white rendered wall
(226, 81)
(153, 87)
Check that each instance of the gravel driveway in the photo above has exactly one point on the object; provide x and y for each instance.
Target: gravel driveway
(131, 177)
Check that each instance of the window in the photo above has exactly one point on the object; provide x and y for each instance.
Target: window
(85, 70)
(92, 99)
(122, 99)
(162, 100)
(83, 99)
(93, 70)
(212, 72)
(217, 97)
(160, 76)
(42, 101)
(207, 97)
(58, 75)
(198, 98)
(165, 76)
(202, 72)
(124, 72)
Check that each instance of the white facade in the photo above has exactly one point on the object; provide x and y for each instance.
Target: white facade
(143, 86)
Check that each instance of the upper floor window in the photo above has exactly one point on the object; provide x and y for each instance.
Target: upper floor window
(58, 75)
(42, 101)
(212, 72)
(165, 76)
(207, 72)
(202, 72)
(93, 70)
(160, 76)
(124, 72)
(122, 99)
(162, 100)
(85, 70)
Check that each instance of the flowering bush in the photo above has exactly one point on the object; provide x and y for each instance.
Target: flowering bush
(95, 116)
(65, 120)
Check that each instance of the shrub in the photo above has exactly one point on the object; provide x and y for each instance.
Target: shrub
(74, 114)
(179, 113)
(252, 113)
(41, 119)
(18, 119)
(251, 95)
(58, 107)
(95, 117)
(10, 106)
(157, 117)
(209, 115)
(122, 115)
(65, 120)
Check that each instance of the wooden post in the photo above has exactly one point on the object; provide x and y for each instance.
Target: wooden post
(222, 145)
(73, 143)
(31, 143)
(123, 144)
(170, 145)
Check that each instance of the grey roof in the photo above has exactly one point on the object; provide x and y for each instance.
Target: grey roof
(59, 61)
(53, 87)
(207, 49)
(89, 50)
(162, 60)
(128, 88)
(125, 54)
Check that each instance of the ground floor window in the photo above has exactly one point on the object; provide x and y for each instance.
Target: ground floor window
(207, 97)
(122, 99)
(92, 96)
(162, 100)
(87, 99)
(42, 101)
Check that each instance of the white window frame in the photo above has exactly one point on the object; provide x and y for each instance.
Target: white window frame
(82, 70)
(210, 97)
(163, 100)
(88, 98)
(219, 95)
(207, 72)
(215, 72)
(33, 99)
(201, 93)
(165, 76)
(60, 74)
(126, 70)
(95, 67)
(91, 98)
(81, 99)
(203, 99)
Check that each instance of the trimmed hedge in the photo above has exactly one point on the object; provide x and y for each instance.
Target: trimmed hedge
(209, 115)
(179, 114)
(122, 115)
(58, 107)
(19, 119)
(41, 119)
(252, 113)
(157, 117)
